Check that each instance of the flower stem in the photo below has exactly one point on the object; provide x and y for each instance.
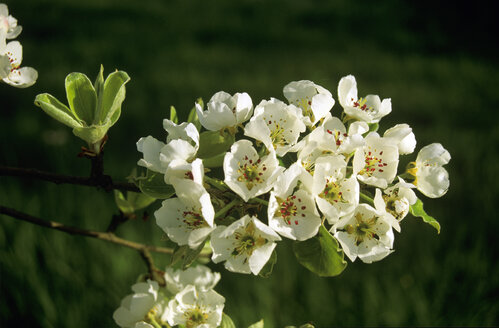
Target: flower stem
(219, 184)
(226, 208)
(366, 198)
(259, 200)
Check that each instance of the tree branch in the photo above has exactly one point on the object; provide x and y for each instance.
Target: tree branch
(101, 181)
(107, 236)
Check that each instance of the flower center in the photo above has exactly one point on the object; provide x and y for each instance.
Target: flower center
(193, 219)
(246, 241)
(332, 192)
(250, 172)
(289, 208)
(306, 105)
(373, 163)
(195, 317)
(277, 135)
(361, 104)
(338, 136)
(363, 229)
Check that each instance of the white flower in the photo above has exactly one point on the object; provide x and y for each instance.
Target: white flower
(182, 169)
(185, 131)
(200, 276)
(193, 308)
(431, 178)
(11, 56)
(365, 234)
(396, 200)
(225, 111)
(143, 307)
(314, 100)
(8, 24)
(245, 245)
(376, 163)
(276, 124)
(246, 173)
(369, 109)
(335, 194)
(187, 219)
(293, 213)
(403, 137)
(150, 147)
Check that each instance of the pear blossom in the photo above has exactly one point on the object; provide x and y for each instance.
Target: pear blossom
(245, 245)
(185, 131)
(181, 169)
(403, 136)
(199, 276)
(225, 111)
(431, 178)
(11, 56)
(246, 173)
(193, 308)
(292, 213)
(8, 24)
(335, 194)
(365, 234)
(276, 124)
(314, 100)
(150, 147)
(396, 200)
(188, 218)
(369, 109)
(143, 308)
(376, 163)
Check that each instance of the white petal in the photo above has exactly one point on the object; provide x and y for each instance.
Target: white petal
(151, 148)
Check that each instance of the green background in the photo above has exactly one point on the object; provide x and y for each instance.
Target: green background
(438, 65)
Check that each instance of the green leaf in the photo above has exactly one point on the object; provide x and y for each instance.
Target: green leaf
(418, 211)
(269, 266)
(91, 134)
(154, 186)
(99, 90)
(213, 143)
(173, 115)
(113, 97)
(193, 115)
(258, 324)
(214, 161)
(373, 127)
(82, 97)
(122, 203)
(320, 254)
(178, 254)
(57, 110)
(191, 255)
(226, 322)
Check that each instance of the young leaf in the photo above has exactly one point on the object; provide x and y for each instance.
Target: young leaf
(320, 254)
(214, 161)
(213, 143)
(178, 254)
(82, 97)
(139, 200)
(99, 90)
(57, 110)
(173, 115)
(113, 96)
(269, 266)
(191, 255)
(123, 203)
(193, 115)
(154, 186)
(226, 322)
(258, 324)
(418, 211)
(91, 134)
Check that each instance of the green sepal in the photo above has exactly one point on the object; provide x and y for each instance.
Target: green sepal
(57, 110)
(320, 254)
(82, 98)
(417, 210)
(113, 96)
(373, 127)
(91, 134)
(269, 266)
(154, 185)
(226, 322)
(213, 143)
(173, 115)
(134, 201)
(214, 161)
(258, 324)
(193, 115)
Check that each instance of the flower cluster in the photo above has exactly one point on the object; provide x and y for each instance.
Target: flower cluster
(284, 169)
(188, 299)
(11, 54)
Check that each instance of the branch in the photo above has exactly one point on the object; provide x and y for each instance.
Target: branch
(102, 181)
(154, 273)
(107, 236)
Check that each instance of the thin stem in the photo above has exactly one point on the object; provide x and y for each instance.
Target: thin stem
(259, 200)
(367, 198)
(107, 236)
(154, 273)
(104, 181)
(226, 208)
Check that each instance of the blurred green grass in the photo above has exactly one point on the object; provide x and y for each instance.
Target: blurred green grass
(441, 76)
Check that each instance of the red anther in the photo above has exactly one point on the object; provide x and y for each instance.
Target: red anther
(380, 170)
(270, 122)
(296, 222)
(381, 152)
(303, 207)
